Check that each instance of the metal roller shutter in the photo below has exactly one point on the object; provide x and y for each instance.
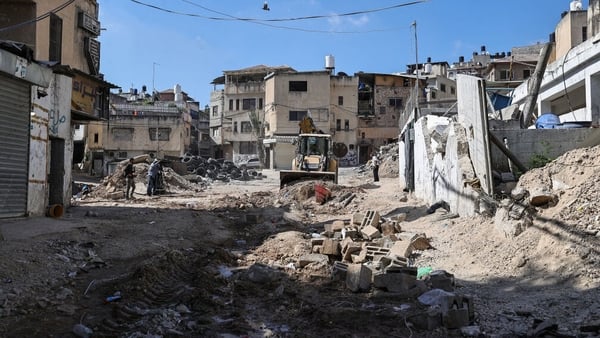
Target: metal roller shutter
(14, 146)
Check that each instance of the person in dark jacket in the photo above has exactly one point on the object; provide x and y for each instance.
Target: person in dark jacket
(375, 162)
(129, 173)
(153, 172)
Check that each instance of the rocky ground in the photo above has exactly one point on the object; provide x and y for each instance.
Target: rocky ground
(229, 259)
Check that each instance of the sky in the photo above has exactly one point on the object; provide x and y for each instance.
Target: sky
(161, 43)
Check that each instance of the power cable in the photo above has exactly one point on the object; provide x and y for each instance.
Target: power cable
(229, 17)
(39, 18)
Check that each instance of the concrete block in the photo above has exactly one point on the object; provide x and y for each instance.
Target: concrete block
(374, 253)
(430, 320)
(358, 278)
(393, 263)
(350, 249)
(371, 218)
(350, 232)
(370, 232)
(312, 258)
(401, 248)
(394, 282)
(331, 247)
(357, 219)
(316, 241)
(316, 249)
(339, 271)
(441, 279)
(456, 318)
(361, 257)
(331, 228)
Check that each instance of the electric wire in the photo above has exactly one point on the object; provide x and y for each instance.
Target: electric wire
(265, 22)
(39, 18)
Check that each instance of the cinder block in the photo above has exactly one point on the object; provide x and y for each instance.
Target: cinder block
(401, 248)
(370, 232)
(441, 279)
(350, 232)
(350, 249)
(331, 247)
(358, 278)
(393, 263)
(331, 228)
(394, 282)
(371, 218)
(316, 241)
(456, 318)
(357, 219)
(339, 271)
(376, 252)
(361, 257)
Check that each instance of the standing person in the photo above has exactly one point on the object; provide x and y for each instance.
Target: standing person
(375, 163)
(152, 177)
(129, 179)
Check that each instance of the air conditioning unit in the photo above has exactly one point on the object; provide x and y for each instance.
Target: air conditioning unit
(88, 23)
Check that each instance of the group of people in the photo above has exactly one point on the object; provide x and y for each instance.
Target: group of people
(152, 179)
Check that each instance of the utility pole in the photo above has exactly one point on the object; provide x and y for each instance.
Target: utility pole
(417, 70)
(153, 73)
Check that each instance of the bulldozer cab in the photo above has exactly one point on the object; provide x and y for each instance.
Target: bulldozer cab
(313, 145)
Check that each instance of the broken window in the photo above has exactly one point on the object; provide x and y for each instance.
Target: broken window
(298, 86)
(246, 127)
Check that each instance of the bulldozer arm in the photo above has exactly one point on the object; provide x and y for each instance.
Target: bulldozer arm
(288, 176)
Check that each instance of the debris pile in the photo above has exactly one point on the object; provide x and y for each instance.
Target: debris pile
(372, 252)
(221, 169)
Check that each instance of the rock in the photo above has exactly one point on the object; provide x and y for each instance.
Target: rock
(312, 258)
(83, 331)
(259, 273)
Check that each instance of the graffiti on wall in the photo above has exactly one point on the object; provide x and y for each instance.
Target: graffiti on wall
(350, 160)
(56, 120)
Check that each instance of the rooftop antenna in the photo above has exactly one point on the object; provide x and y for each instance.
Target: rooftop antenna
(266, 6)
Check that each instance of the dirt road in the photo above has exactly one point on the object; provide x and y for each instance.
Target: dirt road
(222, 261)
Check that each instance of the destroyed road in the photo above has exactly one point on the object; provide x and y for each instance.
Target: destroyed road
(246, 259)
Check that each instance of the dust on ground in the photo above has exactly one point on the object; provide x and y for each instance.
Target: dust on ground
(220, 259)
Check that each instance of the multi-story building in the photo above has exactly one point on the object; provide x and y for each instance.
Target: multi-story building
(140, 123)
(71, 91)
(236, 111)
(331, 102)
(382, 101)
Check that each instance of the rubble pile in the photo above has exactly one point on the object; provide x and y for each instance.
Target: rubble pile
(389, 160)
(373, 253)
(222, 170)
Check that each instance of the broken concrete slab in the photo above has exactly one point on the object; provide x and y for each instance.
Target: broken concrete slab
(357, 219)
(402, 248)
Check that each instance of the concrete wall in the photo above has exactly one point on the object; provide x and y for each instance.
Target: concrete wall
(51, 118)
(568, 32)
(526, 144)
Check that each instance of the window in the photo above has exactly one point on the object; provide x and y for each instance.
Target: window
(452, 90)
(96, 138)
(433, 94)
(297, 115)
(247, 147)
(260, 103)
(249, 104)
(215, 132)
(235, 130)
(338, 124)
(340, 100)
(443, 87)
(230, 104)
(526, 74)
(55, 50)
(215, 111)
(351, 147)
(122, 154)
(298, 86)
(504, 74)
(246, 127)
(237, 104)
(395, 102)
(347, 125)
(584, 33)
(159, 134)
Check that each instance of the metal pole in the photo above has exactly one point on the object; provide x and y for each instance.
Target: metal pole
(417, 69)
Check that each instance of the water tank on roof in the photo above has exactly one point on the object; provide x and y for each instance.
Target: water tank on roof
(329, 62)
(428, 68)
(547, 121)
(576, 5)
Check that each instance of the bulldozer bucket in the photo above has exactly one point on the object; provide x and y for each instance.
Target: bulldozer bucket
(289, 176)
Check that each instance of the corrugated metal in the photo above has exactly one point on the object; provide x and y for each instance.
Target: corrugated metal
(14, 146)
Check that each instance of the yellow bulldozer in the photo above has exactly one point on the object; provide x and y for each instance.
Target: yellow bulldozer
(314, 157)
